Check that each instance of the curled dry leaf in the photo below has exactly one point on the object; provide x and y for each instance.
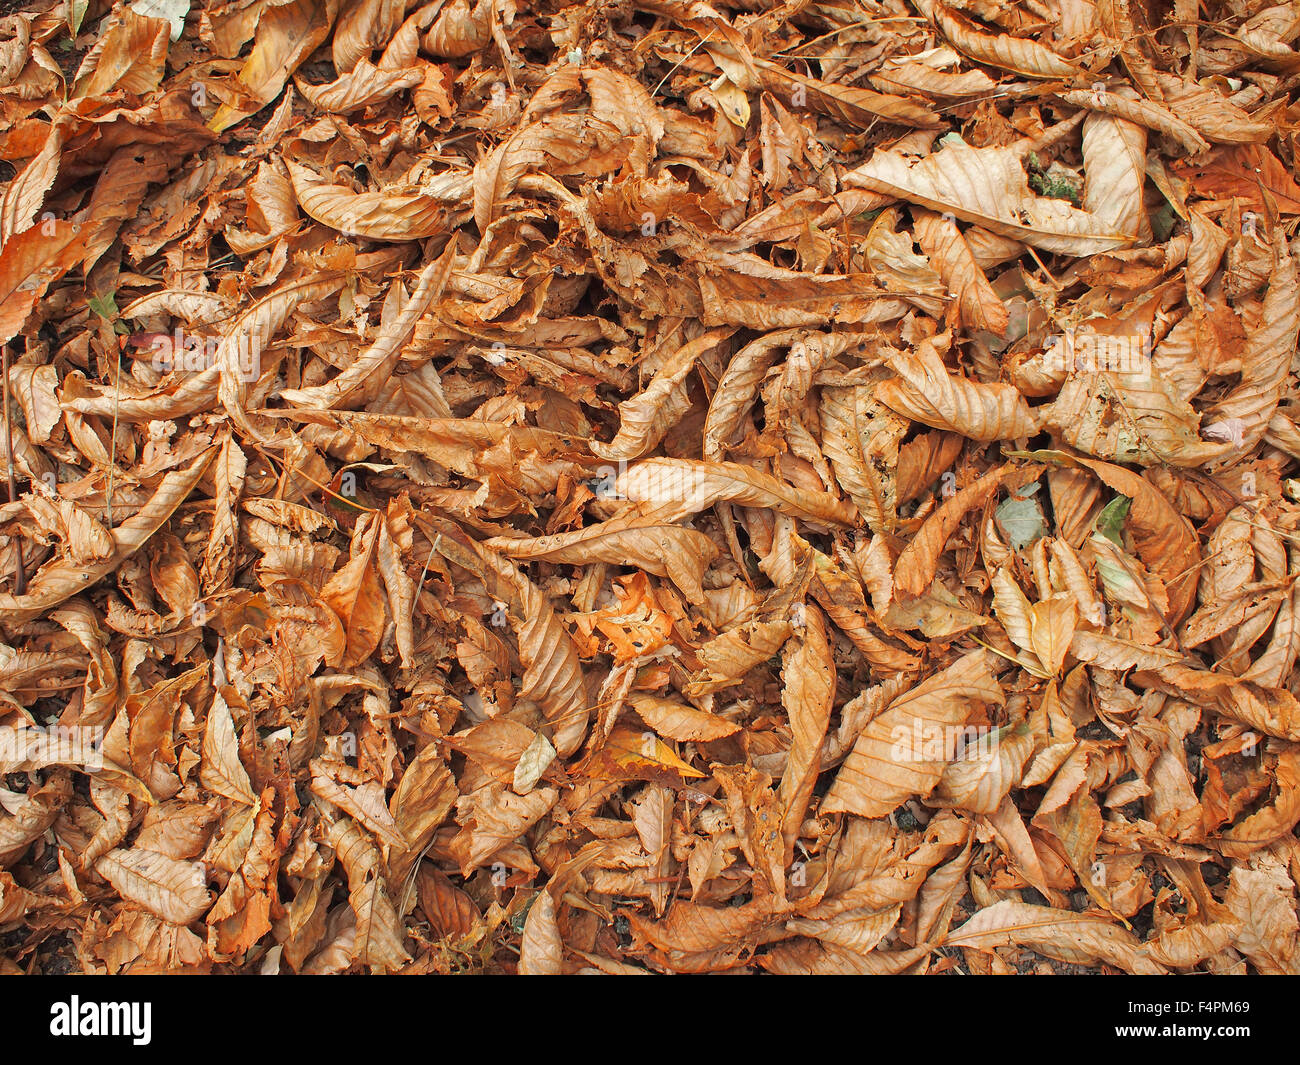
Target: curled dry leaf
(171, 890)
(926, 392)
(988, 186)
(378, 215)
(1018, 54)
(682, 487)
(541, 950)
(1079, 939)
(902, 753)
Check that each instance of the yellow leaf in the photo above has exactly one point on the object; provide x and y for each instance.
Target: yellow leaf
(732, 101)
(632, 749)
(1051, 626)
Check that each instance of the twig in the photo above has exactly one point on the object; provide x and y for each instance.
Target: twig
(112, 444)
(20, 574)
(679, 63)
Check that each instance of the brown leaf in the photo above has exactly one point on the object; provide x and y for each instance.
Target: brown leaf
(286, 36)
(927, 392)
(355, 594)
(808, 672)
(987, 186)
(172, 890)
(541, 950)
(919, 560)
(381, 215)
(1074, 938)
(902, 753)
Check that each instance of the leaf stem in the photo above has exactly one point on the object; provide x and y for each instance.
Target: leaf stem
(20, 574)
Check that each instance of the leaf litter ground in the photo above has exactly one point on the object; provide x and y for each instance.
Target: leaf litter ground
(649, 487)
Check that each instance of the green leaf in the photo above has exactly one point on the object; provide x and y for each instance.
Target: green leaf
(1021, 517)
(1163, 219)
(104, 306)
(77, 12)
(1110, 522)
(520, 916)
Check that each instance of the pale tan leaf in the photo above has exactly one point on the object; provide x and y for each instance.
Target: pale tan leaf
(861, 439)
(901, 754)
(355, 594)
(363, 86)
(25, 817)
(1212, 114)
(652, 816)
(808, 675)
(63, 578)
(646, 418)
(729, 656)
(989, 187)
(924, 74)
(919, 560)
(424, 797)
(857, 105)
(221, 770)
(682, 487)
(1074, 938)
(1051, 627)
(286, 36)
(1111, 652)
(172, 890)
(1128, 412)
(382, 215)
(1017, 54)
(939, 896)
(1114, 160)
(928, 393)
(1270, 347)
(1133, 111)
(492, 818)
(130, 55)
(361, 381)
(1191, 944)
(23, 195)
(532, 764)
(951, 256)
(1012, 608)
(379, 931)
(1262, 898)
(988, 768)
(552, 670)
(1164, 538)
(229, 472)
(1018, 844)
(541, 950)
(856, 930)
(644, 540)
(737, 390)
(558, 144)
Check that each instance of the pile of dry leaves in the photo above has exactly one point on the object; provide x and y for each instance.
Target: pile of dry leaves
(649, 486)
